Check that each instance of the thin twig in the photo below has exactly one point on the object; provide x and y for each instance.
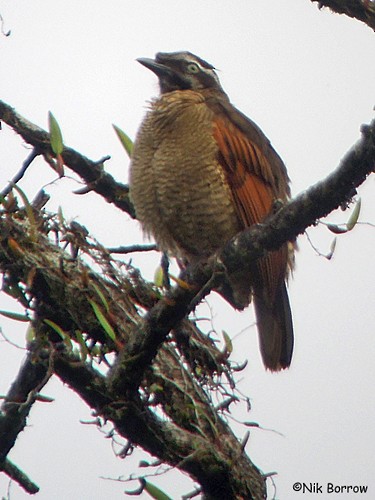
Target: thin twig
(10, 342)
(133, 248)
(3, 32)
(34, 153)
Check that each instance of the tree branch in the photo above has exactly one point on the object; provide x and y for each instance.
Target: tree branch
(318, 201)
(17, 475)
(363, 10)
(133, 248)
(145, 339)
(34, 153)
(32, 377)
(59, 287)
(335, 191)
(191, 435)
(90, 171)
(19, 401)
(208, 456)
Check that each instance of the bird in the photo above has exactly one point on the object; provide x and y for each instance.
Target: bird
(200, 173)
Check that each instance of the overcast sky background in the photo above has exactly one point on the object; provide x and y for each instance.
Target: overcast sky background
(307, 77)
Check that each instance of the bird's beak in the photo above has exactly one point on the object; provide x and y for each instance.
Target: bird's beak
(160, 70)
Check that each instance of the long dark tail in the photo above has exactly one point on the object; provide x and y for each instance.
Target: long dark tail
(275, 327)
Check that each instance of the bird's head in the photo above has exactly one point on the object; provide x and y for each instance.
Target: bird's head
(182, 71)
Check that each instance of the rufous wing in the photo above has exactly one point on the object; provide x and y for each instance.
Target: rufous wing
(257, 176)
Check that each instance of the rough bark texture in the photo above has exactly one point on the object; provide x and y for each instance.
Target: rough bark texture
(363, 10)
(60, 288)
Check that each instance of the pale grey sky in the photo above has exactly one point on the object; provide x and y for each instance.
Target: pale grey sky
(307, 78)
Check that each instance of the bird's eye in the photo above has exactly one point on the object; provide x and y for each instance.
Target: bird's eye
(192, 68)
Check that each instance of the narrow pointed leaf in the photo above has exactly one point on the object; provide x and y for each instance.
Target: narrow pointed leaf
(55, 135)
(228, 343)
(332, 249)
(125, 140)
(64, 336)
(156, 492)
(56, 328)
(159, 277)
(353, 219)
(101, 296)
(15, 316)
(103, 320)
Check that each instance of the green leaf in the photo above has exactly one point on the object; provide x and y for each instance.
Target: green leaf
(56, 328)
(156, 492)
(82, 345)
(227, 342)
(64, 336)
(126, 142)
(103, 320)
(55, 135)
(353, 219)
(101, 296)
(155, 388)
(15, 316)
(30, 334)
(159, 277)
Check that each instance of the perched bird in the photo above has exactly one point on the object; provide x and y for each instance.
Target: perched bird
(201, 172)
